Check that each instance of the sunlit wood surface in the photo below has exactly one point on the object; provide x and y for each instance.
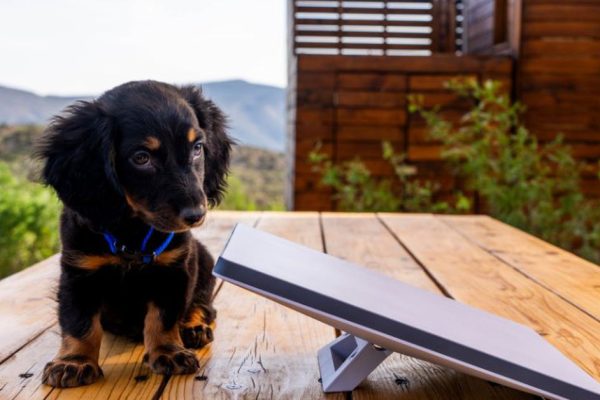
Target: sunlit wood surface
(264, 350)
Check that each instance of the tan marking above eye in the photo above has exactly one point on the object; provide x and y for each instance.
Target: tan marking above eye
(152, 143)
(191, 135)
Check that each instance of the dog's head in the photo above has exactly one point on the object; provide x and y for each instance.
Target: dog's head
(143, 148)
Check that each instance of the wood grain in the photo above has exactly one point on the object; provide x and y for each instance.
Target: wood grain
(574, 279)
(473, 276)
(27, 305)
(262, 349)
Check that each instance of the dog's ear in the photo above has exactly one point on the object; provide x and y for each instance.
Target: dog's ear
(77, 149)
(218, 144)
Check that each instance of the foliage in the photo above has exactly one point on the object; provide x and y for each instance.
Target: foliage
(533, 186)
(239, 197)
(261, 175)
(28, 222)
(356, 189)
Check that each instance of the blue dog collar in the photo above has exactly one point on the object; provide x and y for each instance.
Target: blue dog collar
(137, 257)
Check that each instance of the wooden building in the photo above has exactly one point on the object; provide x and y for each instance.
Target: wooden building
(353, 63)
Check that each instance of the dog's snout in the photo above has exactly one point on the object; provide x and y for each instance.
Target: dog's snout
(192, 215)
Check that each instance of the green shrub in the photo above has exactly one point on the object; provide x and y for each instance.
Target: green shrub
(533, 186)
(240, 197)
(355, 188)
(28, 222)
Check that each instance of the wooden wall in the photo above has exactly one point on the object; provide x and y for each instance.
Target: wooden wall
(558, 76)
(352, 104)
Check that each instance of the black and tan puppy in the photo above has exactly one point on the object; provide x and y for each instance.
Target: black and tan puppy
(136, 169)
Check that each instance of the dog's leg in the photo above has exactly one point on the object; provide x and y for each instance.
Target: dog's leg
(165, 353)
(196, 327)
(76, 363)
(196, 330)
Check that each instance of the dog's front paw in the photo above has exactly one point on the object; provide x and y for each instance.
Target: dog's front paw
(168, 360)
(71, 371)
(196, 337)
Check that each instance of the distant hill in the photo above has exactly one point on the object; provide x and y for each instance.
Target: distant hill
(256, 112)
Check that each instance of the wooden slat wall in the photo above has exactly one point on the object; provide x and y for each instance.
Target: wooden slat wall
(383, 27)
(352, 104)
(559, 76)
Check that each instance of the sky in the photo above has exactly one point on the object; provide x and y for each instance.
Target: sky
(74, 47)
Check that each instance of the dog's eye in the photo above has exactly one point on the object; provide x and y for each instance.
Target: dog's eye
(140, 158)
(197, 149)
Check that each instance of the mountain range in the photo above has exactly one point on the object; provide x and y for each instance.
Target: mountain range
(256, 112)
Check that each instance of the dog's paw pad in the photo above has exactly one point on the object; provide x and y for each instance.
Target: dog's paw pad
(176, 362)
(197, 337)
(77, 371)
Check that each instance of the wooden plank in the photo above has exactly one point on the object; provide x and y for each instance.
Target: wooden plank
(314, 131)
(313, 116)
(315, 80)
(121, 362)
(262, 349)
(446, 100)
(215, 231)
(312, 201)
(374, 117)
(351, 133)
(363, 149)
(568, 11)
(21, 374)
(424, 152)
(436, 63)
(473, 276)
(565, 47)
(574, 279)
(433, 82)
(588, 29)
(561, 65)
(370, 99)
(550, 98)
(373, 82)
(372, 246)
(314, 98)
(574, 83)
(27, 306)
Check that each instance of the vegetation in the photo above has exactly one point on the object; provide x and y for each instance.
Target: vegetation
(29, 212)
(533, 186)
(256, 181)
(28, 222)
(356, 189)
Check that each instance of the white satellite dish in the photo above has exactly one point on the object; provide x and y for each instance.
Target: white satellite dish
(382, 315)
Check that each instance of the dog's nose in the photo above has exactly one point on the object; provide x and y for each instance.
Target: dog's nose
(192, 215)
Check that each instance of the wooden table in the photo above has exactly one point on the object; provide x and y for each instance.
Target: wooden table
(264, 350)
